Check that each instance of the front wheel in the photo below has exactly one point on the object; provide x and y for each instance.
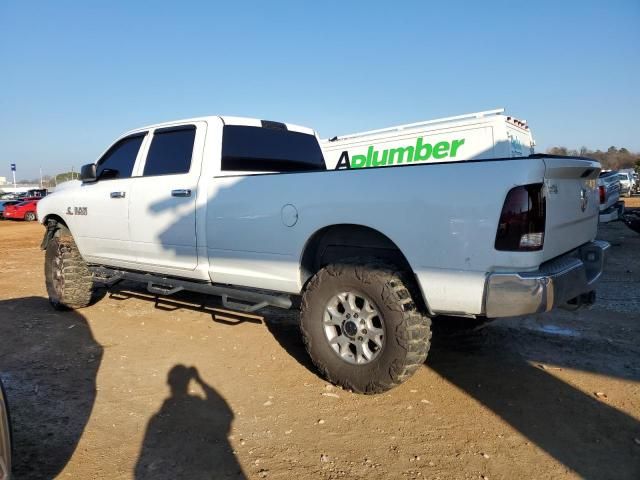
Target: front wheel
(29, 216)
(361, 326)
(69, 281)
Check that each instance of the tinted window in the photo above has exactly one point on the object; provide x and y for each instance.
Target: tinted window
(256, 149)
(118, 161)
(170, 151)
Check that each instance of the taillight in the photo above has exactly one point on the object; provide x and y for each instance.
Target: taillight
(603, 194)
(521, 226)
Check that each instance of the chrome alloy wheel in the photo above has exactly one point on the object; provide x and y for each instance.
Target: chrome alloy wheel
(354, 328)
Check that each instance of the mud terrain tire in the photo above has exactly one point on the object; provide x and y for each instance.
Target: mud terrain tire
(69, 281)
(407, 331)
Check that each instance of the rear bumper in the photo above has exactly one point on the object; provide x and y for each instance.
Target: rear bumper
(614, 212)
(556, 282)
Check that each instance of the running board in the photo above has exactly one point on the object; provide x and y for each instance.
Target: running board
(168, 286)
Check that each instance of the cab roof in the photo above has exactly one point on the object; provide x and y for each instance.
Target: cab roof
(228, 120)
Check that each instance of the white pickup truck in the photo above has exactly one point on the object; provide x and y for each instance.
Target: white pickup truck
(247, 210)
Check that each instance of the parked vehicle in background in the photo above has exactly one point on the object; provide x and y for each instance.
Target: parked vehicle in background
(5, 436)
(24, 210)
(6, 203)
(246, 209)
(37, 192)
(27, 194)
(633, 176)
(609, 196)
(626, 183)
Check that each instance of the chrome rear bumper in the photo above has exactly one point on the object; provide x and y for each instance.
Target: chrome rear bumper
(556, 282)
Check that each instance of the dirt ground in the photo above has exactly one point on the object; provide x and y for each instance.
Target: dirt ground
(136, 387)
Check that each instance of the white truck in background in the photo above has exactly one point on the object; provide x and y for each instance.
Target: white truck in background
(627, 182)
(473, 136)
(611, 208)
(247, 210)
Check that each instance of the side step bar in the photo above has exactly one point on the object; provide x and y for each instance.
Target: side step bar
(159, 285)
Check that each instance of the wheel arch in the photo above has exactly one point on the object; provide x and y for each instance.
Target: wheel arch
(58, 219)
(54, 225)
(341, 241)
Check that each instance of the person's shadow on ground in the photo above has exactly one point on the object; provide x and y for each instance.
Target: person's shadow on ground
(187, 438)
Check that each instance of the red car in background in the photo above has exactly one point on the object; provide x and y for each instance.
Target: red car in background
(24, 210)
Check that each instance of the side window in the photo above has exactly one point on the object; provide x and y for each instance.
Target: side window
(170, 152)
(119, 160)
(260, 149)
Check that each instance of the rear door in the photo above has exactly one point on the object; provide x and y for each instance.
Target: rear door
(250, 215)
(572, 204)
(163, 203)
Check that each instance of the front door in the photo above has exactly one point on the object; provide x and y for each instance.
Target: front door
(101, 215)
(163, 203)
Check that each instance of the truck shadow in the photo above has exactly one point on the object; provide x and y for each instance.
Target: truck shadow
(50, 376)
(580, 430)
(282, 324)
(187, 300)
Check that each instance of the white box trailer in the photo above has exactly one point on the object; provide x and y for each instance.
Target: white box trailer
(473, 136)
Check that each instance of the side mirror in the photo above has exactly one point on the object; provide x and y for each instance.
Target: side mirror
(88, 173)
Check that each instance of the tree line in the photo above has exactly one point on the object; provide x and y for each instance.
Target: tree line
(49, 181)
(613, 159)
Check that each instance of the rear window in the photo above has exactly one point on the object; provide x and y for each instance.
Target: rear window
(258, 149)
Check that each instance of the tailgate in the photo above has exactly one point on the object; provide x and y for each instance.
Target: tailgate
(572, 204)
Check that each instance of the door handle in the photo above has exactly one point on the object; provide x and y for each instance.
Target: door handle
(183, 192)
(118, 194)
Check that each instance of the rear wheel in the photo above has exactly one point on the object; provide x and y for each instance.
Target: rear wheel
(361, 326)
(30, 216)
(69, 281)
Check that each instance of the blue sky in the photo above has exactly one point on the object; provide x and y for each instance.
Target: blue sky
(74, 75)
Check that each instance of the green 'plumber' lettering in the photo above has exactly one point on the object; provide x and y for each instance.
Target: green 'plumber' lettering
(396, 156)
